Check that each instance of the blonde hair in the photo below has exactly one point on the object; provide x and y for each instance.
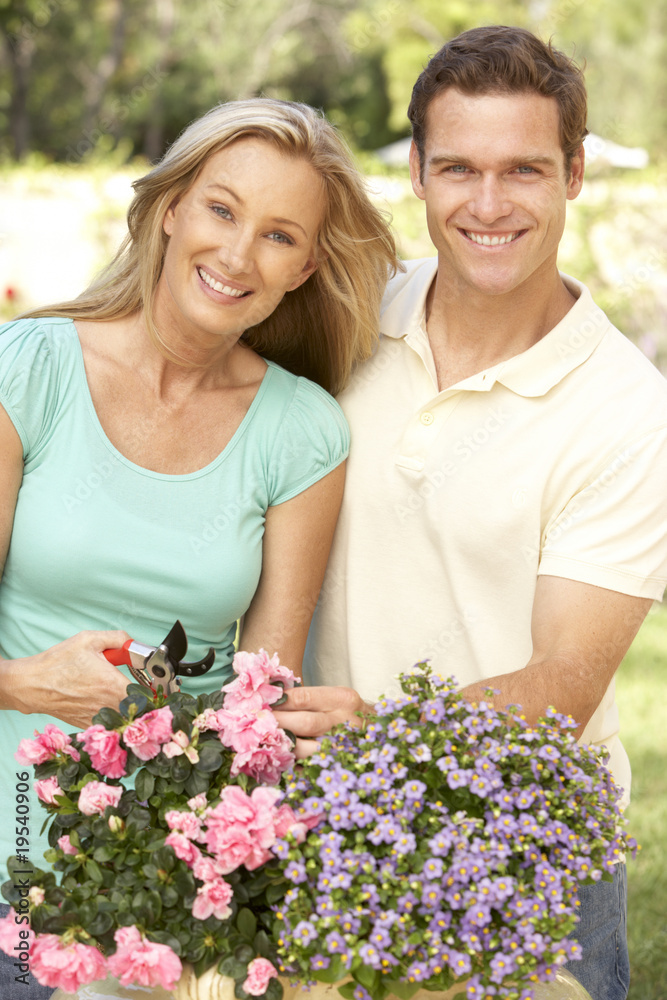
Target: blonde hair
(321, 329)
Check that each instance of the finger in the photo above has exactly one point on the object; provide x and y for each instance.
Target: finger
(304, 724)
(304, 748)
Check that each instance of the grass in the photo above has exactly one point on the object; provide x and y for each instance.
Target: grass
(640, 685)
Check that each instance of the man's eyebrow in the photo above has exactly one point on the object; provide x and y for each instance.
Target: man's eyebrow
(443, 158)
(217, 186)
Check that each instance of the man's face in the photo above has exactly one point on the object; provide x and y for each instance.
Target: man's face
(495, 187)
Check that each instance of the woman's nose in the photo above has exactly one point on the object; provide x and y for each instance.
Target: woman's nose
(235, 254)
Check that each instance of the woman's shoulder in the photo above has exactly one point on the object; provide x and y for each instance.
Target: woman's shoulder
(35, 335)
(34, 364)
(301, 398)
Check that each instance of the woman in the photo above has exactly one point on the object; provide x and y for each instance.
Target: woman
(155, 462)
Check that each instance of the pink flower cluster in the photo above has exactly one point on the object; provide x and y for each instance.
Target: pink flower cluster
(239, 830)
(46, 746)
(246, 724)
(213, 841)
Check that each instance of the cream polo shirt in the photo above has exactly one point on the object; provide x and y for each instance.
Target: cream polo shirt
(553, 462)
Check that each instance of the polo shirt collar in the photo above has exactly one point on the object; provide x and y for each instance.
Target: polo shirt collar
(533, 372)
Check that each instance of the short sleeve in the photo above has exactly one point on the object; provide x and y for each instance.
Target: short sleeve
(27, 379)
(613, 533)
(314, 439)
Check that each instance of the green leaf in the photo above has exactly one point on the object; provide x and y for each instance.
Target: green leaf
(247, 923)
(231, 967)
(93, 871)
(210, 756)
(274, 893)
(368, 977)
(404, 991)
(109, 718)
(262, 944)
(144, 784)
(274, 990)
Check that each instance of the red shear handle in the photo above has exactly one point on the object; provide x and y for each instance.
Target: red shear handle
(120, 657)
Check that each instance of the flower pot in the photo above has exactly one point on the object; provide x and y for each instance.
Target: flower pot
(213, 986)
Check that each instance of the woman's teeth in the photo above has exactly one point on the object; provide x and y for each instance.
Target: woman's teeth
(218, 286)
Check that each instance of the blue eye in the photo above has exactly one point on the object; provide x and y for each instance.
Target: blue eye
(457, 168)
(222, 211)
(281, 238)
(526, 170)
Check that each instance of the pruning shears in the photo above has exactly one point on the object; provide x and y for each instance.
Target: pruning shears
(160, 666)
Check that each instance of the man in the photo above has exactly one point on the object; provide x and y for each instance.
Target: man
(504, 514)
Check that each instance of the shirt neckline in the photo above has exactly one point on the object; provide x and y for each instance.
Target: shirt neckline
(233, 442)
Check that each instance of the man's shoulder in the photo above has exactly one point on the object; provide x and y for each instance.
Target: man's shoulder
(409, 285)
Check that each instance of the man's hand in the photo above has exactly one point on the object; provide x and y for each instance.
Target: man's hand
(310, 712)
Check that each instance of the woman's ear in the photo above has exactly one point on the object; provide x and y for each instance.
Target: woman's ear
(169, 218)
(309, 268)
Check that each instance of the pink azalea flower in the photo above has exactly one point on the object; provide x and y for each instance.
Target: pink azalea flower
(252, 689)
(267, 761)
(47, 789)
(46, 746)
(286, 821)
(142, 962)
(146, 734)
(95, 796)
(198, 802)
(36, 895)
(241, 827)
(213, 898)
(180, 744)
(185, 822)
(106, 754)
(68, 966)
(15, 937)
(244, 731)
(182, 847)
(205, 869)
(207, 720)
(66, 845)
(260, 971)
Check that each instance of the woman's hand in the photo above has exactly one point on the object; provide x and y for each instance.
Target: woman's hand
(70, 681)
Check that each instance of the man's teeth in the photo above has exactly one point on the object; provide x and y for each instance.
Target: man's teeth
(218, 286)
(491, 241)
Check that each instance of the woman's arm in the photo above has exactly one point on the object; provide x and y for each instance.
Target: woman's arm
(297, 539)
(65, 681)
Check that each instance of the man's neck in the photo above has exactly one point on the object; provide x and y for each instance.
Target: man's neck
(470, 331)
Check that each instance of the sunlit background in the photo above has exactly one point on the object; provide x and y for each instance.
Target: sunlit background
(92, 90)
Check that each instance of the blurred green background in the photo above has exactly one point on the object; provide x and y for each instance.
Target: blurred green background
(92, 90)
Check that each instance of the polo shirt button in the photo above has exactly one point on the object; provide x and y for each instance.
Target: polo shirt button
(427, 418)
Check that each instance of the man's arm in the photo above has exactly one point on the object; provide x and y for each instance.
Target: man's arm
(580, 635)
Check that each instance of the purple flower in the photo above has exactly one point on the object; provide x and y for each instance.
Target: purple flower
(304, 932)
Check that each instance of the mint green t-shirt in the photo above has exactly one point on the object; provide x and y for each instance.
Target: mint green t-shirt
(101, 543)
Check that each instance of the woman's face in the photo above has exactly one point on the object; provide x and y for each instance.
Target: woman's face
(242, 236)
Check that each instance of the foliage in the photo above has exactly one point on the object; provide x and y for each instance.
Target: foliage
(454, 841)
(82, 75)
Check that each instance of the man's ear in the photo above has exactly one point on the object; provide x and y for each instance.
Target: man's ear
(576, 178)
(416, 171)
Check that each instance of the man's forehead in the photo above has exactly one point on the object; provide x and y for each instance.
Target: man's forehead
(515, 122)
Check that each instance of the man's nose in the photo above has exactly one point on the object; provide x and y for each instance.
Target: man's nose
(490, 200)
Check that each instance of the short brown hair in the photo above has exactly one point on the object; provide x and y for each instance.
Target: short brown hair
(503, 60)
